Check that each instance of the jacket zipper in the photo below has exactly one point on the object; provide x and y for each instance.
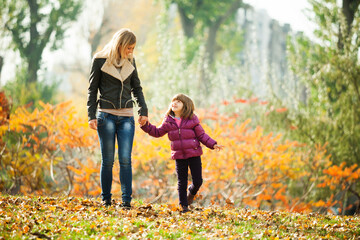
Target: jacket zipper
(181, 143)
(122, 87)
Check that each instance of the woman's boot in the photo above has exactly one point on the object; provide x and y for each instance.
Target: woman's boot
(190, 198)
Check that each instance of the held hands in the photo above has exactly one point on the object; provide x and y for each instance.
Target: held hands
(218, 147)
(143, 120)
(93, 124)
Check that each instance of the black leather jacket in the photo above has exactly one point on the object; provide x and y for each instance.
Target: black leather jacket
(114, 93)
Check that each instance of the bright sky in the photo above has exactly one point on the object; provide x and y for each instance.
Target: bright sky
(287, 11)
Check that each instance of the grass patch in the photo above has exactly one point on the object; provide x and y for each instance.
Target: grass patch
(80, 218)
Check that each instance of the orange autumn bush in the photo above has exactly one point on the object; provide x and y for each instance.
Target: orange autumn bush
(37, 147)
(261, 171)
(4, 109)
(255, 170)
(340, 180)
(86, 180)
(52, 150)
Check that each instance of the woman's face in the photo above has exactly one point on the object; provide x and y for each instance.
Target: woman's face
(129, 50)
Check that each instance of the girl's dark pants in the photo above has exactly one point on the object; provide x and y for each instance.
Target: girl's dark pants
(182, 165)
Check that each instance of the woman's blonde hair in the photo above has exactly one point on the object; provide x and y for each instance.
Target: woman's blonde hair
(188, 106)
(121, 40)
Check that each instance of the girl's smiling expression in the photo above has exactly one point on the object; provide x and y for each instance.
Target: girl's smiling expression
(177, 107)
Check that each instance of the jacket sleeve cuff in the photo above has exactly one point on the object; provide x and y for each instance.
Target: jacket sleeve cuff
(91, 118)
(145, 128)
(143, 112)
(213, 144)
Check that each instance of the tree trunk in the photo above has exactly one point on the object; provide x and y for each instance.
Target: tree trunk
(31, 56)
(32, 68)
(187, 24)
(215, 26)
(349, 8)
(212, 26)
(211, 42)
(203, 81)
(97, 35)
(210, 47)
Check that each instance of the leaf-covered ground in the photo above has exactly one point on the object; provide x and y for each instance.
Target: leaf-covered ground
(79, 218)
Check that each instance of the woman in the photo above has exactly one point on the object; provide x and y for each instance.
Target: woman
(114, 75)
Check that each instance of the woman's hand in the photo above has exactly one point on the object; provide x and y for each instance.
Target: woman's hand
(93, 124)
(143, 120)
(218, 147)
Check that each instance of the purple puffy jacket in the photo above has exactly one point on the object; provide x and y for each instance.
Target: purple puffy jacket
(185, 140)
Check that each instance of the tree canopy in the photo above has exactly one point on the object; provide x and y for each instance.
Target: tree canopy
(204, 18)
(36, 24)
(329, 68)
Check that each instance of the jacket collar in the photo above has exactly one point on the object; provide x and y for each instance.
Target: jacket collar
(194, 118)
(126, 68)
(170, 118)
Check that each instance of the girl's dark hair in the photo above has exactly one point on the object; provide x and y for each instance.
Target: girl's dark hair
(188, 108)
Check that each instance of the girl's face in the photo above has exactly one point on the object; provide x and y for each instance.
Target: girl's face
(177, 107)
(129, 50)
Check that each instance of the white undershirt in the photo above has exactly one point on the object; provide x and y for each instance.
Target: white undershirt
(124, 112)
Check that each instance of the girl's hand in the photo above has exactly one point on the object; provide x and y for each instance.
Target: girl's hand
(143, 120)
(218, 147)
(93, 124)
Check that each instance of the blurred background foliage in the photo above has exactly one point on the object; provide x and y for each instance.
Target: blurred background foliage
(302, 95)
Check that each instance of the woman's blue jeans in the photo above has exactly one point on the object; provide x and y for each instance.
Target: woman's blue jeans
(111, 127)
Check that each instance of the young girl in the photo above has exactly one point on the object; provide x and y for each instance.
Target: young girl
(185, 133)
